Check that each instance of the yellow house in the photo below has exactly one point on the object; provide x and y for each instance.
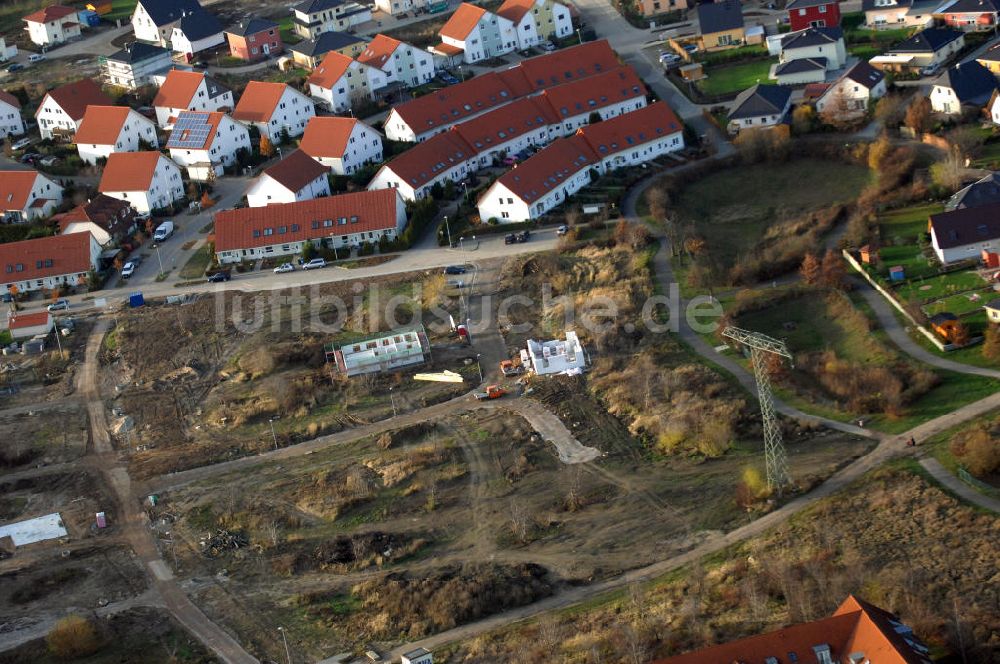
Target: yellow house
(310, 52)
(721, 25)
(991, 60)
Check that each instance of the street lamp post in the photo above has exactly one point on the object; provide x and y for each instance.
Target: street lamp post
(448, 229)
(479, 365)
(274, 436)
(392, 400)
(288, 653)
(158, 260)
(579, 36)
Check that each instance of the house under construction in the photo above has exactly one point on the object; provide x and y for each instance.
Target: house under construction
(393, 350)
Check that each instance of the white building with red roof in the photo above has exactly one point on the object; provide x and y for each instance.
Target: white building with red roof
(55, 24)
(46, 263)
(401, 62)
(545, 180)
(11, 122)
(107, 129)
(537, 21)
(477, 34)
(339, 81)
(147, 180)
(62, 109)
(27, 195)
(297, 177)
(189, 91)
(343, 145)
(207, 142)
(274, 108)
(525, 123)
(28, 324)
(347, 220)
(422, 117)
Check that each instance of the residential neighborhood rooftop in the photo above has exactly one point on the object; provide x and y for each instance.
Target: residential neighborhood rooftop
(74, 98)
(327, 136)
(461, 23)
(137, 51)
(966, 225)
(970, 81)
(195, 130)
(296, 170)
(326, 42)
(720, 16)
(812, 37)
(102, 124)
(42, 257)
(926, 41)
(761, 99)
(259, 100)
(50, 13)
(15, 188)
(251, 26)
(163, 12)
(129, 171)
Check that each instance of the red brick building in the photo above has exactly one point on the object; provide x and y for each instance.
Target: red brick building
(255, 39)
(804, 14)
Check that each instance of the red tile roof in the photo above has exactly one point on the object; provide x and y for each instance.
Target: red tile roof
(296, 171)
(10, 99)
(462, 21)
(15, 187)
(50, 13)
(458, 102)
(104, 211)
(178, 89)
(102, 125)
(129, 171)
(425, 161)
(547, 169)
(20, 320)
(74, 98)
(523, 116)
(379, 51)
(594, 92)
(329, 70)
(447, 49)
(209, 120)
(856, 627)
(44, 257)
(514, 10)
(259, 100)
(636, 128)
(326, 136)
(361, 211)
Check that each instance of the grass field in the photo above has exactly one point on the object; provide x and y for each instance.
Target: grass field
(733, 208)
(935, 288)
(903, 228)
(120, 9)
(963, 303)
(197, 264)
(732, 79)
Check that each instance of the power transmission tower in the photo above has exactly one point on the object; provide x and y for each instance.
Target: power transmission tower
(760, 346)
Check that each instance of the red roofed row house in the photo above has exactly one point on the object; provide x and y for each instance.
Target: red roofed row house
(548, 178)
(421, 118)
(856, 633)
(274, 108)
(528, 122)
(27, 195)
(47, 263)
(107, 129)
(297, 177)
(475, 34)
(346, 220)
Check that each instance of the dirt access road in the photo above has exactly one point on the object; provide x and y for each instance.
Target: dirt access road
(133, 520)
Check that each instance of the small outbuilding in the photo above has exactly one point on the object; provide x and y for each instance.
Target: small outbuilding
(28, 325)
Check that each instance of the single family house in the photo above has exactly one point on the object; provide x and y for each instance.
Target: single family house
(308, 53)
(62, 109)
(401, 62)
(11, 122)
(759, 107)
(343, 145)
(804, 14)
(206, 142)
(153, 21)
(720, 25)
(136, 65)
(967, 84)
(274, 108)
(476, 34)
(147, 180)
(52, 25)
(27, 195)
(108, 129)
(340, 82)
(255, 39)
(851, 95)
(189, 91)
(297, 177)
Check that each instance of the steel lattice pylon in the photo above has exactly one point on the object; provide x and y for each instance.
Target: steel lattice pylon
(760, 345)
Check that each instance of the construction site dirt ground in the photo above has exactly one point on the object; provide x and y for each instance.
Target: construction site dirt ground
(41, 435)
(192, 387)
(317, 542)
(29, 381)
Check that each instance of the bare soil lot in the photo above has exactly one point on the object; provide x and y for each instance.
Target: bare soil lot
(42, 435)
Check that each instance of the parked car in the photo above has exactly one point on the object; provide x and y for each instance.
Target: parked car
(548, 47)
(691, 48)
(454, 269)
(22, 143)
(315, 264)
(129, 269)
(284, 267)
(17, 66)
(562, 230)
(930, 70)
(447, 78)
(30, 157)
(51, 160)
(456, 283)
(163, 231)
(509, 238)
(59, 305)
(220, 276)
(524, 236)
(509, 161)
(36, 57)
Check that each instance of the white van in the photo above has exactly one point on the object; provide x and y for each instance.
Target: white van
(163, 231)
(36, 57)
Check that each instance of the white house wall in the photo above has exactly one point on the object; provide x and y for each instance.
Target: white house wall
(11, 122)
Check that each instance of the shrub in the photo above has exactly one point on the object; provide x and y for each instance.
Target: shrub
(73, 637)
(978, 451)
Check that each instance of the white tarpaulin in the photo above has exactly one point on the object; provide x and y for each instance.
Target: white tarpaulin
(41, 528)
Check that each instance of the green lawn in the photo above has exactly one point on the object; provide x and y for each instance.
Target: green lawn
(954, 391)
(866, 51)
(120, 9)
(989, 156)
(197, 264)
(733, 208)
(935, 288)
(712, 58)
(732, 79)
(963, 303)
(903, 229)
(288, 35)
